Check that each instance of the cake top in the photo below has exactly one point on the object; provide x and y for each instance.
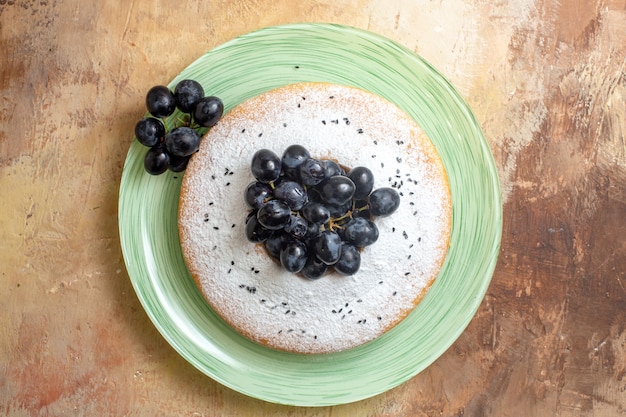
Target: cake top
(253, 293)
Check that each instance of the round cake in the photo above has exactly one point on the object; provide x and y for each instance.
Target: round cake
(247, 287)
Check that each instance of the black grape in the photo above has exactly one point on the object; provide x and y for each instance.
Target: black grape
(160, 101)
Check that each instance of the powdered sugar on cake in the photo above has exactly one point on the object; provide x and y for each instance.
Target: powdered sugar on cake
(254, 294)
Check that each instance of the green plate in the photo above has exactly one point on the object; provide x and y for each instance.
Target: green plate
(272, 57)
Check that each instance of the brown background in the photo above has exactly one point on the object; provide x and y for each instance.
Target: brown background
(547, 81)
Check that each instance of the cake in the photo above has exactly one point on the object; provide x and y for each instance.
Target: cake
(246, 287)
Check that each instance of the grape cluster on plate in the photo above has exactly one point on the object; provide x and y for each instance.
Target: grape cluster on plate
(314, 215)
(171, 149)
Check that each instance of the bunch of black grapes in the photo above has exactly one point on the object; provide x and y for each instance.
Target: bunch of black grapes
(171, 149)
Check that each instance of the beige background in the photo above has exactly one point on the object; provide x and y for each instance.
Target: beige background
(547, 81)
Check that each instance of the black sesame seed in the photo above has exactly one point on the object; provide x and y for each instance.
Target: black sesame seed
(297, 67)
(379, 318)
(331, 97)
(406, 274)
(206, 220)
(324, 122)
(359, 301)
(298, 105)
(243, 130)
(260, 134)
(227, 184)
(315, 337)
(395, 293)
(216, 228)
(211, 203)
(334, 311)
(359, 131)
(419, 239)
(229, 270)
(232, 226)
(405, 234)
(288, 311)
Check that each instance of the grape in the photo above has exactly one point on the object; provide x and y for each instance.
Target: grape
(256, 193)
(292, 158)
(297, 227)
(208, 111)
(337, 211)
(274, 244)
(314, 268)
(149, 131)
(160, 101)
(350, 260)
(182, 141)
(312, 172)
(178, 163)
(255, 232)
(363, 179)
(274, 215)
(316, 213)
(157, 160)
(293, 256)
(265, 166)
(332, 168)
(337, 190)
(291, 193)
(188, 94)
(360, 231)
(327, 247)
(384, 201)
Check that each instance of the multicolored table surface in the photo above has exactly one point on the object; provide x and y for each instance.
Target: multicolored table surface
(535, 90)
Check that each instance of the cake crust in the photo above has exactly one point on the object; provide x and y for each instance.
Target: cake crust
(254, 294)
